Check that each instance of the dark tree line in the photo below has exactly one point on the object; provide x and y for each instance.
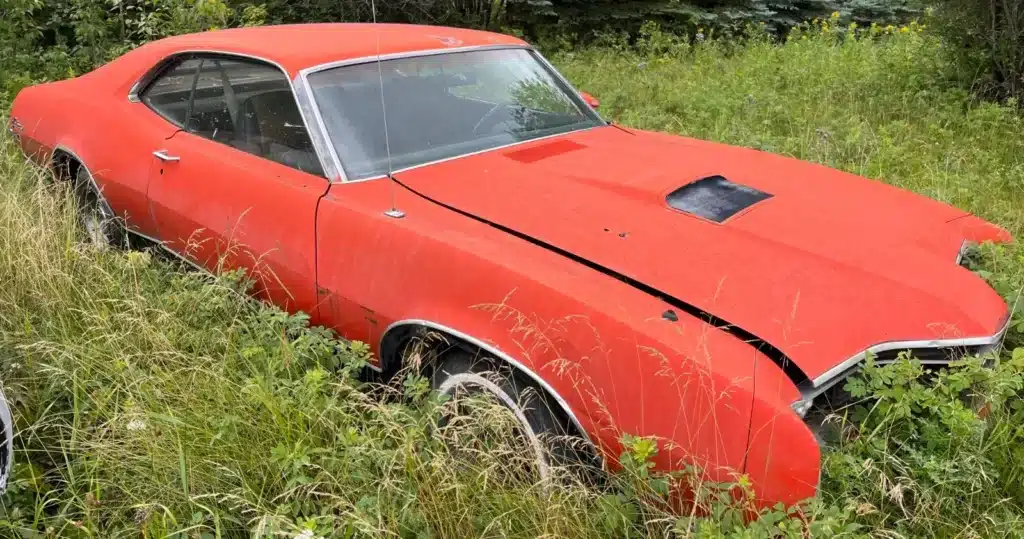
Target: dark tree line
(46, 39)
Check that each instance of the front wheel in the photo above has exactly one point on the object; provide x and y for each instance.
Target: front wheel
(540, 429)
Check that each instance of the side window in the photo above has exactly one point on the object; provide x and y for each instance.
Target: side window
(249, 105)
(169, 93)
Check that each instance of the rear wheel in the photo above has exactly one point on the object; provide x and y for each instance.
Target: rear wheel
(102, 228)
(542, 439)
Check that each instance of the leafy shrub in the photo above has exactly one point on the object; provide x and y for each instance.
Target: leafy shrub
(157, 403)
(54, 39)
(988, 38)
(545, 19)
(921, 460)
(48, 39)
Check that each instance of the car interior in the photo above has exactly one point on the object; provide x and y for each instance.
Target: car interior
(428, 118)
(250, 106)
(247, 106)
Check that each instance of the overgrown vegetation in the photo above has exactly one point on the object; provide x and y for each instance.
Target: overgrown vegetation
(987, 36)
(155, 402)
(52, 39)
(584, 18)
(917, 461)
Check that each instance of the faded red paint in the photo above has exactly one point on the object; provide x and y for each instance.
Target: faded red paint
(828, 266)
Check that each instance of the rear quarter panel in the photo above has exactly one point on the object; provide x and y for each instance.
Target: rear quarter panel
(90, 116)
(37, 110)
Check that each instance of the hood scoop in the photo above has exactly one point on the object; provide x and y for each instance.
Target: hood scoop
(714, 198)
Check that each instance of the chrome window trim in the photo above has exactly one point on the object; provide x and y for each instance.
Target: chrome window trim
(491, 349)
(302, 81)
(329, 162)
(315, 135)
(309, 101)
(832, 375)
(305, 72)
(133, 93)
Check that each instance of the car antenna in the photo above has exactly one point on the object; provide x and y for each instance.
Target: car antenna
(394, 212)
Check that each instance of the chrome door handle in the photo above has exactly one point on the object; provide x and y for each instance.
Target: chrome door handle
(162, 155)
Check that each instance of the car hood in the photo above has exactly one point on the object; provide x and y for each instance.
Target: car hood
(827, 266)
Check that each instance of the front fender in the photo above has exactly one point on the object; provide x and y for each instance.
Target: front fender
(620, 359)
(784, 459)
(396, 331)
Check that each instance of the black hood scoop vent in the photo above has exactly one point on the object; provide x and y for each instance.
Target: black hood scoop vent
(714, 198)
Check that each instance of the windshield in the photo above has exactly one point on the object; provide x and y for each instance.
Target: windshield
(442, 106)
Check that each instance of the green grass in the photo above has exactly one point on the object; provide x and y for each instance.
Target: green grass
(154, 402)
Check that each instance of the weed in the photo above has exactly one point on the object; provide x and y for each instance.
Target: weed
(159, 403)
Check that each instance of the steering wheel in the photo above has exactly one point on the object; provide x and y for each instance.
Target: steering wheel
(487, 116)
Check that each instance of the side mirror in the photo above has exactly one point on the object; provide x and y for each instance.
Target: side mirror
(590, 100)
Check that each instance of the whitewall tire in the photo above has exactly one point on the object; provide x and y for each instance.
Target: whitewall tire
(546, 434)
(6, 441)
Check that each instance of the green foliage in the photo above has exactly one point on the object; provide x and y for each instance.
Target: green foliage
(919, 458)
(988, 38)
(545, 19)
(915, 458)
(157, 403)
(53, 39)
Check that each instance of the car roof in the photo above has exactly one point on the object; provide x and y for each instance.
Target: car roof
(298, 46)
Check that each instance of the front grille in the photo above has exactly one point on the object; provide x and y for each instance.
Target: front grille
(824, 417)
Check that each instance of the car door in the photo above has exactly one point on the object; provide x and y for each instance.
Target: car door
(238, 186)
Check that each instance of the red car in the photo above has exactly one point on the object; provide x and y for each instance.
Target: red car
(394, 181)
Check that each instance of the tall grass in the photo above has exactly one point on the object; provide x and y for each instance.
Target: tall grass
(155, 402)
(159, 402)
(163, 403)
